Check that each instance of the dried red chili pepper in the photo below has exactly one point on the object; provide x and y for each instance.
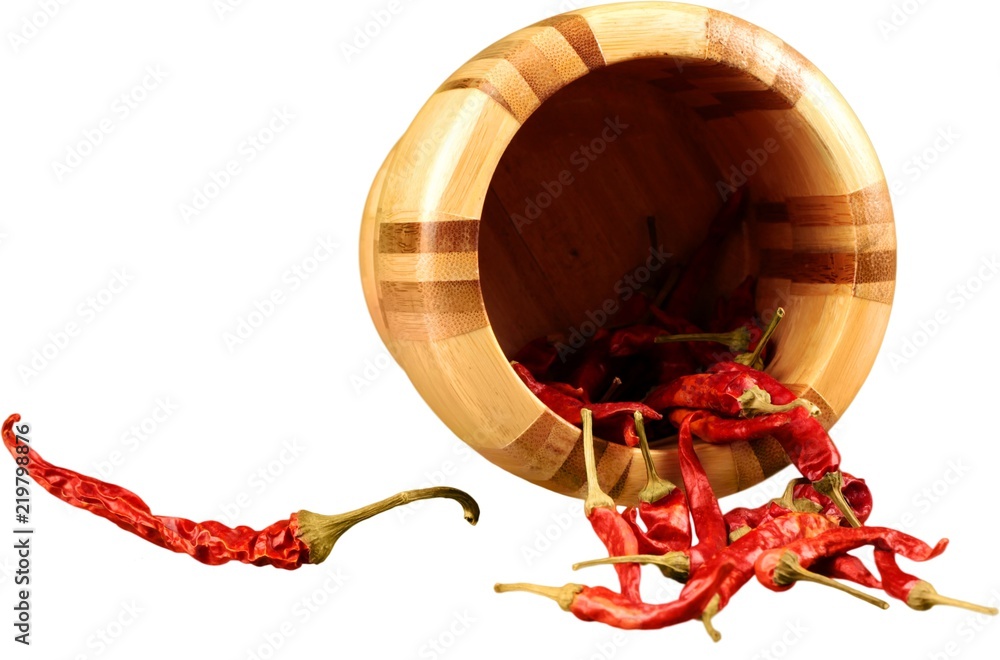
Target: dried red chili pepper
(847, 567)
(605, 606)
(913, 591)
(715, 429)
(538, 356)
(560, 403)
(731, 393)
(708, 522)
(778, 569)
(740, 304)
(592, 374)
(604, 517)
(855, 491)
(304, 538)
(662, 506)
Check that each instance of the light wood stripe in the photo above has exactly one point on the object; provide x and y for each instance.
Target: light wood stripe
(412, 237)
(431, 297)
(872, 205)
(481, 84)
(748, 468)
(421, 267)
(535, 68)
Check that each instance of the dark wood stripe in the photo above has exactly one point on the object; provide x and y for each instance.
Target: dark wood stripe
(772, 212)
(748, 470)
(572, 474)
(788, 83)
(421, 237)
(770, 455)
(871, 205)
(820, 210)
(619, 486)
(746, 101)
(673, 84)
(535, 68)
(876, 267)
(717, 111)
(535, 448)
(432, 297)
(577, 32)
(827, 415)
(483, 86)
(809, 267)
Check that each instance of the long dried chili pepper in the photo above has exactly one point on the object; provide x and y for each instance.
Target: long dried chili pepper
(605, 606)
(662, 507)
(715, 429)
(778, 569)
(608, 523)
(847, 567)
(916, 593)
(708, 522)
(732, 393)
(304, 538)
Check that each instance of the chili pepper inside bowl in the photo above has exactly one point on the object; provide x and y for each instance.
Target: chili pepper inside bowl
(574, 168)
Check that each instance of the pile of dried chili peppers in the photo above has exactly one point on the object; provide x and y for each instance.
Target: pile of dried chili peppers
(304, 538)
(657, 369)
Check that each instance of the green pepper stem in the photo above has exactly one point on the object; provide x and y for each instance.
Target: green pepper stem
(708, 614)
(754, 360)
(656, 487)
(321, 532)
(789, 570)
(737, 341)
(615, 384)
(563, 595)
(923, 597)
(673, 565)
(595, 496)
(756, 401)
(832, 485)
(787, 499)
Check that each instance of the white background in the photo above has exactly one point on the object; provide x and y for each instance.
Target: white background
(408, 581)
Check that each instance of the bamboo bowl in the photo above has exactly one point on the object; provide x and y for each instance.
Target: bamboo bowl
(517, 200)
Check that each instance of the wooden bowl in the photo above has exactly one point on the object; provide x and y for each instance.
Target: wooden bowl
(517, 202)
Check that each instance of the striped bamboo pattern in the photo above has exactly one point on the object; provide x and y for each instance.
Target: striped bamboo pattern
(825, 234)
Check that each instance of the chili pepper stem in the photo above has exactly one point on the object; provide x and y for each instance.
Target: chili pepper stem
(673, 565)
(615, 384)
(754, 360)
(708, 614)
(656, 487)
(789, 570)
(739, 533)
(756, 401)
(562, 595)
(736, 341)
(322, 532)
(831, 485)
(788, 501)
(923, 597)
(595, 496)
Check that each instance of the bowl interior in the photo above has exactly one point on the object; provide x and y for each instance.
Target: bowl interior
(617, 176)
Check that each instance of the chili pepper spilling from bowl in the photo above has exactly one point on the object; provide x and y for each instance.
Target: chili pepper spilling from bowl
(304, 538)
